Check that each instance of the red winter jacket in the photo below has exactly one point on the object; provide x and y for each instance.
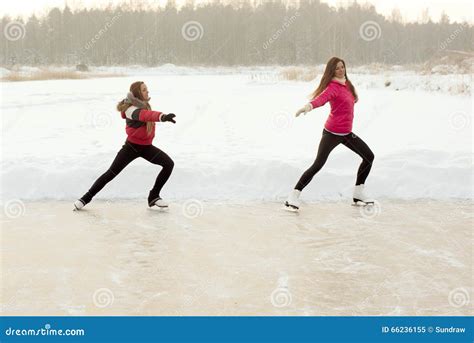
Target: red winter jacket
(342, 106)
(136, 119)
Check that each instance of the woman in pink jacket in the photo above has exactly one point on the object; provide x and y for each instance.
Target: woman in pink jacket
(336, 88)
(140, 128)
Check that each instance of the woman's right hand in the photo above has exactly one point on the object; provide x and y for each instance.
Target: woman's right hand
(304, 109)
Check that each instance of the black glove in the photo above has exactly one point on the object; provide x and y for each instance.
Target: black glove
(168, 117)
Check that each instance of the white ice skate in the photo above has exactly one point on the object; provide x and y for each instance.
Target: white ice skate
(360, 198)
(293, 201)
(78, 205)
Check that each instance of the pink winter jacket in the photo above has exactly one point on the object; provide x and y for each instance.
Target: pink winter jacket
(342, 106)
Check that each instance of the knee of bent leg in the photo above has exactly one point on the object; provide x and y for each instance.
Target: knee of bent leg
(169, 164)
(370, 157)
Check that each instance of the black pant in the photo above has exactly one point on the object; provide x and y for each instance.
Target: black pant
(127, 154)
(328, 142)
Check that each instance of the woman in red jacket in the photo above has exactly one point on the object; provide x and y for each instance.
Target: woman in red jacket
(336, 88)
(140, 129)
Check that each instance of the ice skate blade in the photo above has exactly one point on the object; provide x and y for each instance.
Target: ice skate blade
(362, 203)
(290, 208)
(159, 208)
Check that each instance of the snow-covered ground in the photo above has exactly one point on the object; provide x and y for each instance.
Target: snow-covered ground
(236, 138)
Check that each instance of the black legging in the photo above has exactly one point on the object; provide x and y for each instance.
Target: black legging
(328, 142)
(127, 154)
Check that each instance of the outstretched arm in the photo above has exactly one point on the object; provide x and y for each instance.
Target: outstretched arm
(140, 114)
(144, 115)
(324, 97)
(308, 107)
(319, 101)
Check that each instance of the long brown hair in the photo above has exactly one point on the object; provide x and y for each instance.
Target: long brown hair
(135, 89)
(328, 75)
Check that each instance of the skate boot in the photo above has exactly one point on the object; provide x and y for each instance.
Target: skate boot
(293, 201)
(78, 205)
(360, 198)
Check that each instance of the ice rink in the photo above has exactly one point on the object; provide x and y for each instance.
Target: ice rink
(210, 258)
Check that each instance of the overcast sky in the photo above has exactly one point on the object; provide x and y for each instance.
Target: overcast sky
(457, 10)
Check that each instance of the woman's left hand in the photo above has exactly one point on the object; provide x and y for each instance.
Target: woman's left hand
(169, 117)
(304, 109)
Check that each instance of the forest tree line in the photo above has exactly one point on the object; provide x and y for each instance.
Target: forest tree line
(216, 33)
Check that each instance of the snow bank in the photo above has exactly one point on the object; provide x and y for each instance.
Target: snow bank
(236, 138)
